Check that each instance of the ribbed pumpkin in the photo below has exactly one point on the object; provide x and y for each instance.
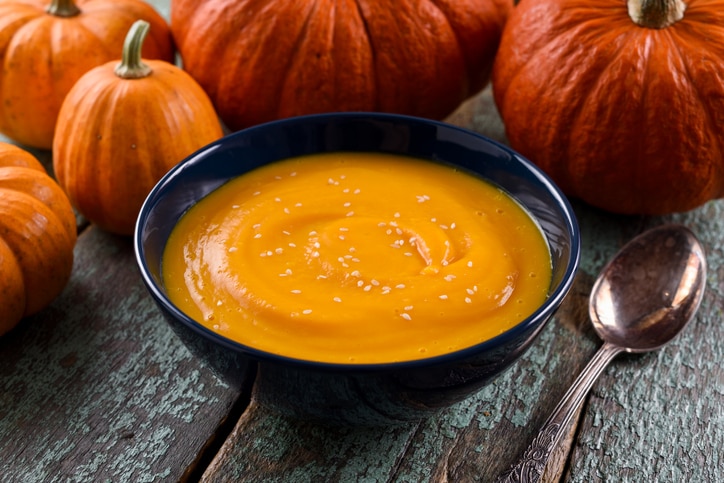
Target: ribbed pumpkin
(122, 127)
(46, 45)
(264, 59)
(37, 236)
(621, 102)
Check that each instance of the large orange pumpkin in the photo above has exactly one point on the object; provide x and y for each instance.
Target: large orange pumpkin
(621, 102)
(37, 236)
(261, 60)
(46, 45)
(121, 127)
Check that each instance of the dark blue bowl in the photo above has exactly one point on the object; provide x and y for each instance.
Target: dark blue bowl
(372, 393)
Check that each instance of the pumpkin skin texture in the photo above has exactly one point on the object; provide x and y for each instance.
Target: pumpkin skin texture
(43, 54)
(37, 237)
(626, 117)
(117, 136)
(261, 60)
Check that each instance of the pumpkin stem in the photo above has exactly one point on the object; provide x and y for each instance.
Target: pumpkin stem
(656, 14)
(131, 65)
(63, 8)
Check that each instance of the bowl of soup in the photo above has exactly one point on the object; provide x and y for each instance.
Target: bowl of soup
(365, 268)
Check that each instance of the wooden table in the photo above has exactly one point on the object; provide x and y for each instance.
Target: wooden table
(97, 388)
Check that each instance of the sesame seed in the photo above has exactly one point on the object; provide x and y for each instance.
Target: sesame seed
(234, 206)
(470, 263)
(341, 237)
(357, 191)
(286, 210)
(277, 199)
(293, 245)
(450, 277)
(367, 288)
(337, 299)
(374, 282)
(296, 290)
(315, 254)
(400, 285)
(409, 307)
(405, 316)
(360, 283)
(408, 254)
(232, 249)
(269, 253)
(396, 215)
(298, 204)
(385, 290)
(258, 235)
(256, 226)
(470, 291)
(381, 224)
(468, 300)
(342, 228)
(351, 213)
(443, 297)
(256, 193)
(453, 225)
(347, 204)
(307, 311)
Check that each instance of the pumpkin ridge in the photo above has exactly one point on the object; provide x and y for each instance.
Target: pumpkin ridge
(691, 18)
(288, 67)
(41, 245)
(373, 54)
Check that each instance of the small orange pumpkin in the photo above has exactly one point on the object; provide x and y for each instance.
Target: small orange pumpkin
(621, 102)
(46, 45)
(122, 127)
(268, 59)
(37, 236)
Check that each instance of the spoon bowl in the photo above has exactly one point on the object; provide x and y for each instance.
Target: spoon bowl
(643, 298)
(647, 293)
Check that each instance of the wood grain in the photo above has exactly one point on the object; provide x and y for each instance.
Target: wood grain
(98, 387)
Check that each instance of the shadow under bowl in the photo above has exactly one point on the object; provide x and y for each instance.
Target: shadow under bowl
(370, 394)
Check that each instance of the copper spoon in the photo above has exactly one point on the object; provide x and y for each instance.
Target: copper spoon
(642, 299)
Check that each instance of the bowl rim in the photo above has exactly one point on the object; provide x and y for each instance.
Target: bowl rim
(539, 317)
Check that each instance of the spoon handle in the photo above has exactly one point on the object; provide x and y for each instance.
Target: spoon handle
(531, 465)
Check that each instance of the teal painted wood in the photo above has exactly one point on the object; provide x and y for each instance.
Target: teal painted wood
(97, 387)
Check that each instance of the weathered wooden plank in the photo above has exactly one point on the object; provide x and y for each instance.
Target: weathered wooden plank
(97, 387)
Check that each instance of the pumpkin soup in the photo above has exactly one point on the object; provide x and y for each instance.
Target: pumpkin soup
(357, 258)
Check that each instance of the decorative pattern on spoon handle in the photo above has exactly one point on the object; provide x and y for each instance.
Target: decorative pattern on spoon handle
(529, 468)
(532, 463)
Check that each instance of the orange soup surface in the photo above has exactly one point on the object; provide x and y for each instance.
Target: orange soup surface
(357, 258)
